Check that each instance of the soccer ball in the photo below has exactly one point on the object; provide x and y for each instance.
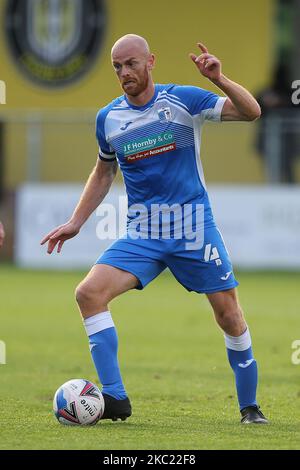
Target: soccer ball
(78, 402)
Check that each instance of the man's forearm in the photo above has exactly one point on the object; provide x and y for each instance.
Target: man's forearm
(242, 99)
(93, 194)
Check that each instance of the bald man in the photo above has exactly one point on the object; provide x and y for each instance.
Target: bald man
(152, 132)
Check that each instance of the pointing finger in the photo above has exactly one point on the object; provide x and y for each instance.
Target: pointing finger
(49, 235)
(46, 238)
(202, 47)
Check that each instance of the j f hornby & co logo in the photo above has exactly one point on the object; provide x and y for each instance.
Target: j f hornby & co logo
(149, 147)
(2, 92)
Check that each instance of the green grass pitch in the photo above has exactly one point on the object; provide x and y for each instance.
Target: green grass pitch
(172, 358)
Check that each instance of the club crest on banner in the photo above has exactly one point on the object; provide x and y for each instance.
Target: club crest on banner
(55, 41)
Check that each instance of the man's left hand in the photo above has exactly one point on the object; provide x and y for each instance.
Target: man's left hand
(207, 64)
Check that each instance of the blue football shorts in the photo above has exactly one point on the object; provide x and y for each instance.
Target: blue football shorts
(205, 270)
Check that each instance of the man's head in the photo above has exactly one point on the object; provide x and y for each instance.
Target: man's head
(133, 62)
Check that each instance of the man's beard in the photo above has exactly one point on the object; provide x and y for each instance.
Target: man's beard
(140, 86)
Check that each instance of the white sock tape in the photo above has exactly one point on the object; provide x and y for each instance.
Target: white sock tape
(100, 321)
(238, 343)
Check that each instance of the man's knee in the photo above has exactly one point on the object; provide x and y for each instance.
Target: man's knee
(82, 294)
(228, 316)
(87, 294)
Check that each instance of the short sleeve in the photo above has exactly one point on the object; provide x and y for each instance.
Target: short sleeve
(106, 153)
(201, 102)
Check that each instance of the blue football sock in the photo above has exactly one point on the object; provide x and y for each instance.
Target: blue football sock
(241, 359)
(104, 349)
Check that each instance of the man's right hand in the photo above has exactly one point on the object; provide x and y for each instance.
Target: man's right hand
(2, 234)
(59, 235)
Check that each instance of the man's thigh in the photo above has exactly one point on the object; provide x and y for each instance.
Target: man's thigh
(142, 258)
(108, 279)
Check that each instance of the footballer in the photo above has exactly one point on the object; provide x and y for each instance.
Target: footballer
(152, 133)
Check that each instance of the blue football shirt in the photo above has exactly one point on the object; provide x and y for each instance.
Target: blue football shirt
(157, 145)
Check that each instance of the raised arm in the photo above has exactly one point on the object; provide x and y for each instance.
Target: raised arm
(96, 188)
(240, 104)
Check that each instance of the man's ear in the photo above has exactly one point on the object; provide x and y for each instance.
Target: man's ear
(151, 62)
